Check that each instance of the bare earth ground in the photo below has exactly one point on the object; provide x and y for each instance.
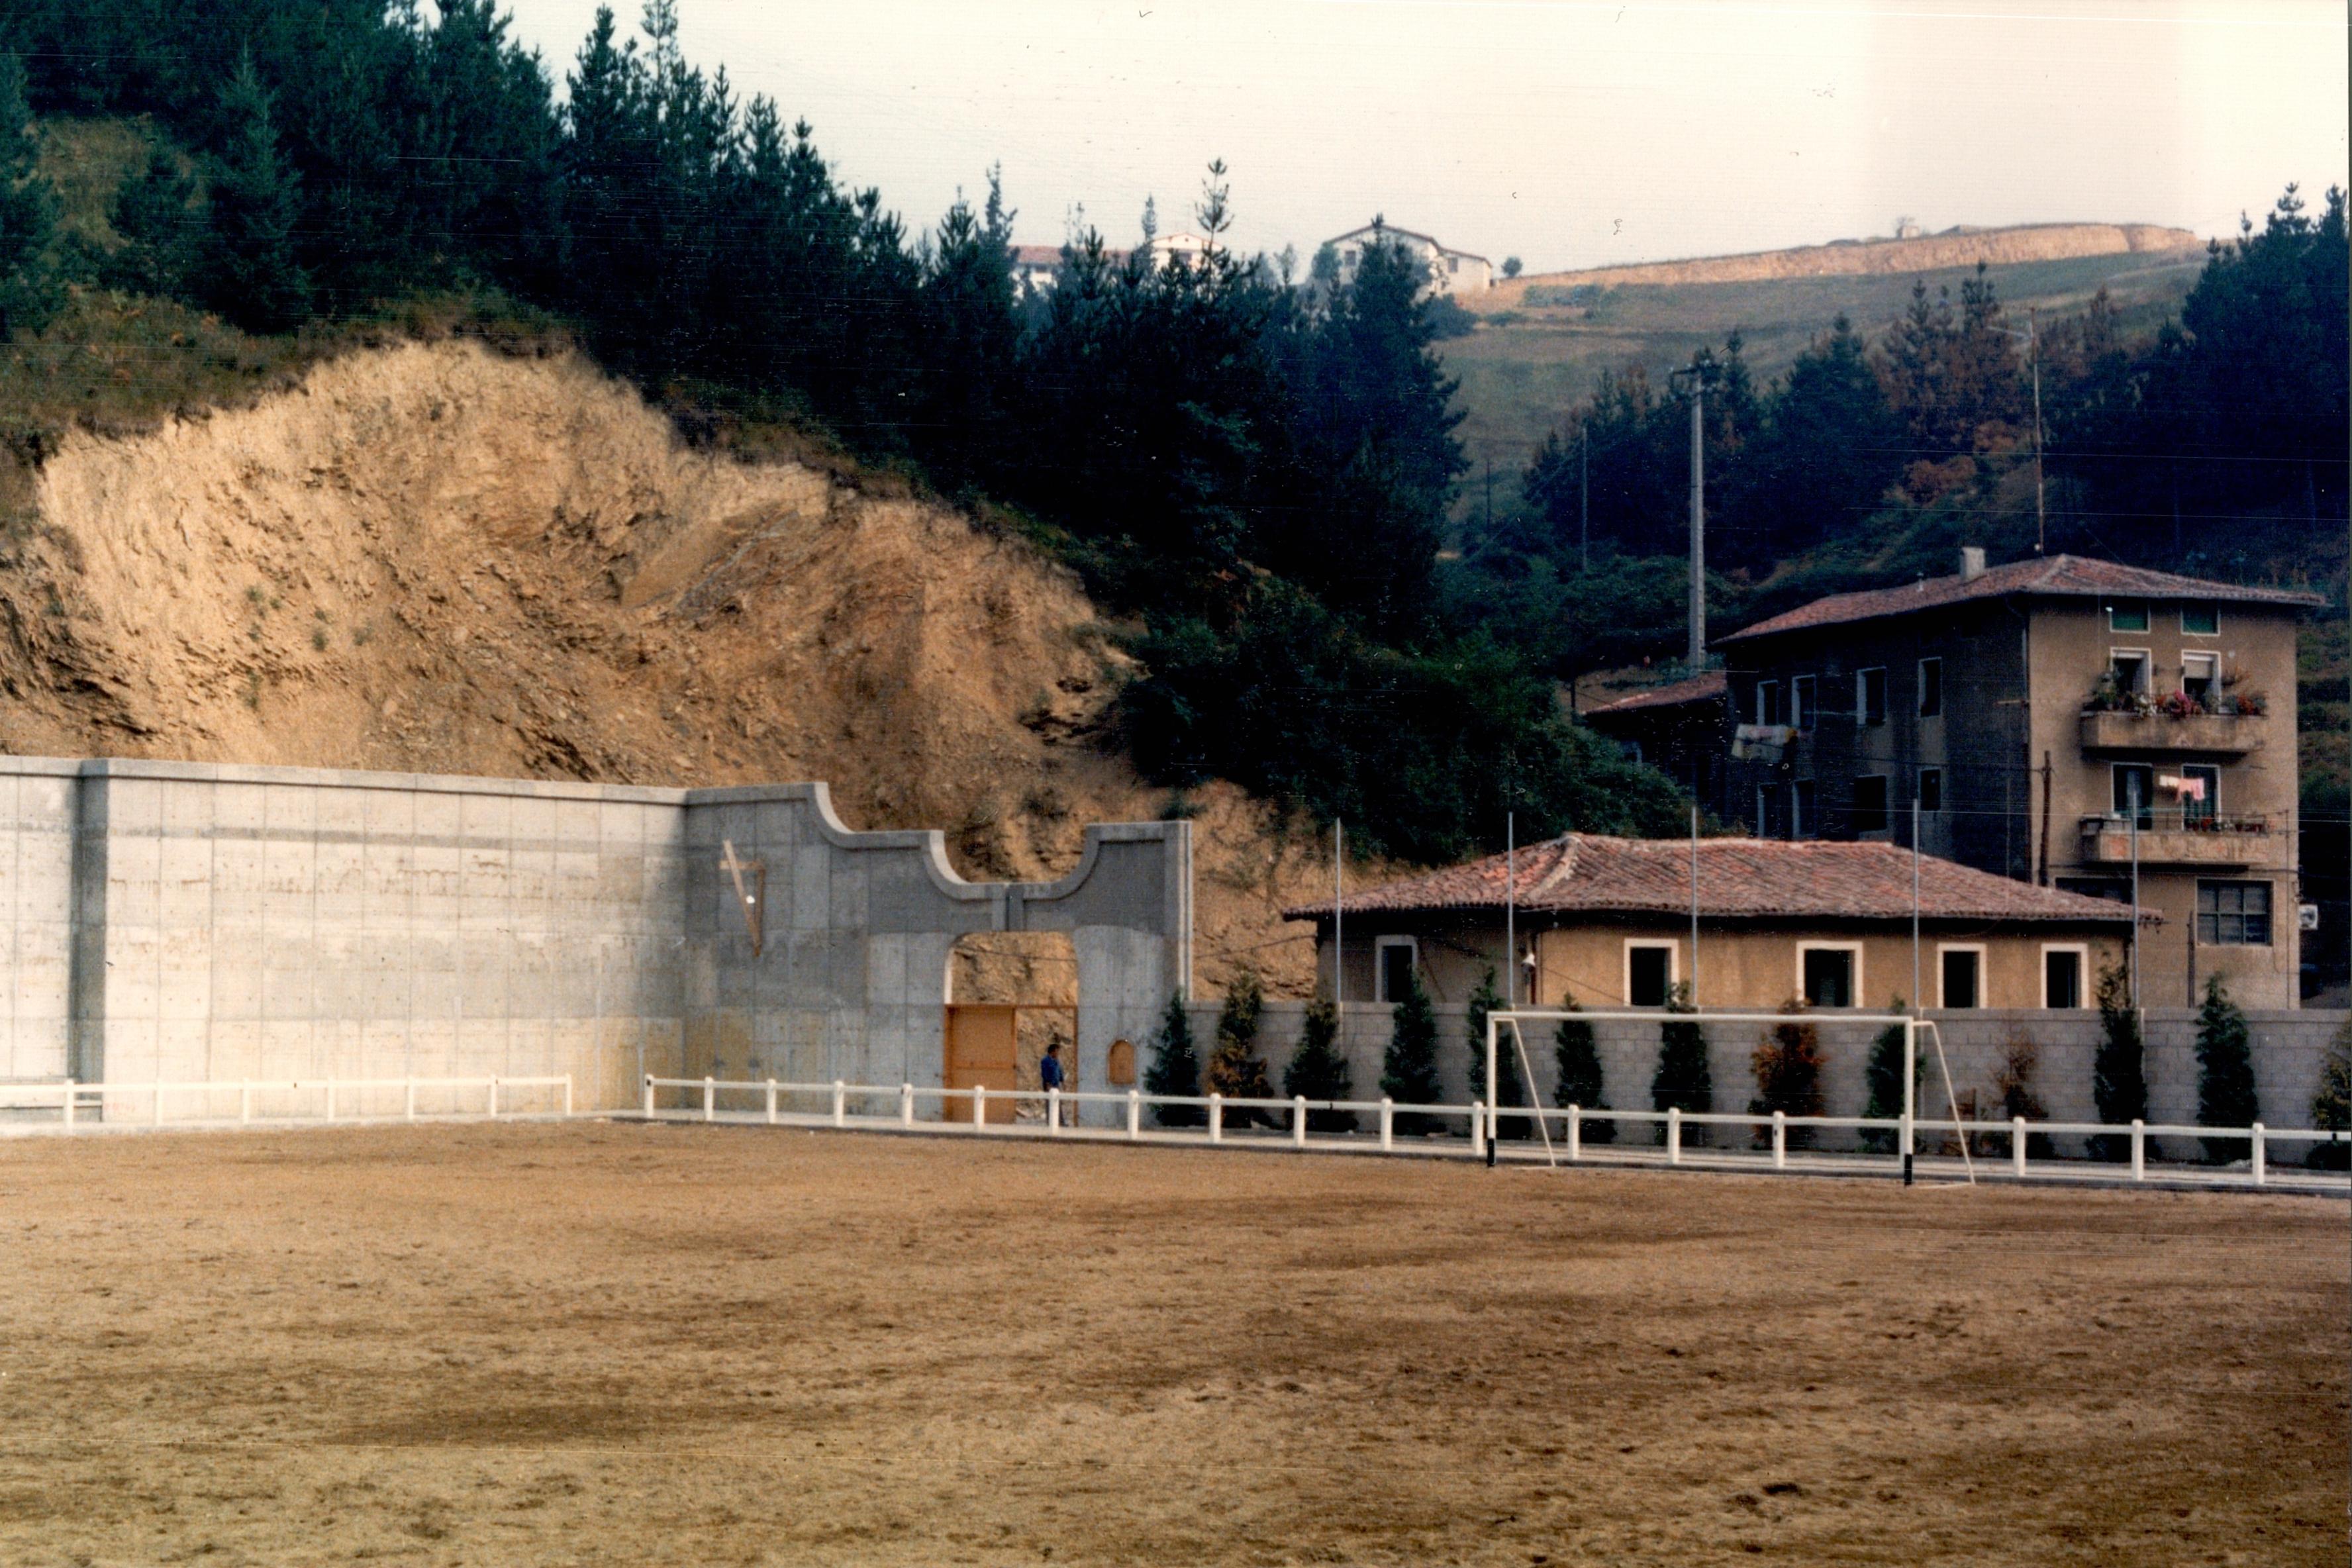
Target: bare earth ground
(620, 1344)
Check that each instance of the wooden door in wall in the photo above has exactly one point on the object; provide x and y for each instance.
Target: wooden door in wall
(981, 1053)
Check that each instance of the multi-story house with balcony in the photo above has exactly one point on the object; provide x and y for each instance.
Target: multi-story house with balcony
(2073, 723)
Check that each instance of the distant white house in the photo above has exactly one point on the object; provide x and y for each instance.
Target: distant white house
(1037, 268)
(1455, 272)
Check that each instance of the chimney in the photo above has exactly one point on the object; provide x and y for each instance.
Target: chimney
(1971, 563)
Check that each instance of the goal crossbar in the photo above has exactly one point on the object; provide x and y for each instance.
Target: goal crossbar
(1483, 1125)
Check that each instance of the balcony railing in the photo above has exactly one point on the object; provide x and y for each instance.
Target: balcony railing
(2178, 835)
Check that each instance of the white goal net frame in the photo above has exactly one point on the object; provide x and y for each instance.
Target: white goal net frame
(1489, 1112)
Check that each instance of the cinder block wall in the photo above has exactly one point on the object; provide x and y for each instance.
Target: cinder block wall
(2288, 1049)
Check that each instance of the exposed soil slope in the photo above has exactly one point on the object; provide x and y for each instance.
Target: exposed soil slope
(435, 557)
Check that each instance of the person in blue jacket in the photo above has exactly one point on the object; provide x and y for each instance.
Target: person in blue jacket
(1049, 1069)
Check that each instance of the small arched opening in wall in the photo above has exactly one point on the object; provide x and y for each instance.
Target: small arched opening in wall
(1011, 997)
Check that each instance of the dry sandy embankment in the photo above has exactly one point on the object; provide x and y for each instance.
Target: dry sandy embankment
(631, 1345)
(437, 558)
(1928, 253)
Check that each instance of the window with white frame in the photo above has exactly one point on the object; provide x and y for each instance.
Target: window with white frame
(1649, 972)
(2201, 618)
(1931, 688)
(2063, 965)
(1767, 703)
(1803, 823)
(1870, 696)
(1804, 705)
(2200, 677)
(1399, 959)
(2129, 667)
(1960, 974)
(1829, 974)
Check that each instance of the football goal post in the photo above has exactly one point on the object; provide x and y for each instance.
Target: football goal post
(1489, 1112)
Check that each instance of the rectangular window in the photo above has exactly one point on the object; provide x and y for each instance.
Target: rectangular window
(1931, 688)
(1767, 703)
(2061, 976)
(2200, 794)
(2233, 914)
(1803, 823)
(2201, 619)
(2134, 785)
(1763, 811)
(1870, 803)
(2129, 667)
(1959, 974)
(1397, 961)
(2127, 616)
(1931, 789)
(1827, 975)
(1804, 708)
(1649, 974)
(1870, 697)
(2200, 678)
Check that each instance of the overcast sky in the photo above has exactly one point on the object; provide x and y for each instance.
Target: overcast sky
(1569, 134)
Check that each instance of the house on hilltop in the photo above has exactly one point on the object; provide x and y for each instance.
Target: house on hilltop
(1452, 272)
(1607, 922)
(2097, 729)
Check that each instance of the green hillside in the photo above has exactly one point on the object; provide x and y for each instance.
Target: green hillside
(1521, 370)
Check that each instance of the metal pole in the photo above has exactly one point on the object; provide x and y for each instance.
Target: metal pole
(1584, 500)
(1697, 659)
(1338, 944)
(2041, 513)
(1694, 974)
(1510, 909)
(2131, 794)
(1916, 999)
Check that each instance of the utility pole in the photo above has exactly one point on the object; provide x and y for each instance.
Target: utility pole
(1696, 375)
(1584, 500)
(2040, 508)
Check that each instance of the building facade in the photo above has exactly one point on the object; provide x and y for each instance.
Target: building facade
(1450, 272)
(2095, 729)
(1608, 923)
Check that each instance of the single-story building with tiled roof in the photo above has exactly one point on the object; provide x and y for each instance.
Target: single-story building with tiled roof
(1607, 922)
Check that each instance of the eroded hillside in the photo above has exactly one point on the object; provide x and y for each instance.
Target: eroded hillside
(439, 558)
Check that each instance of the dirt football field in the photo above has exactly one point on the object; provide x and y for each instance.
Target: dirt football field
(621, 1344)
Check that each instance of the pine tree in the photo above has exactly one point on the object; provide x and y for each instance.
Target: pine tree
(1788, 1065)
(249, 271)
(1175, 1066)
(1883, 1078)
(1409, 1068)
(1235, 1070)
(2225, 1072)
(155, 213)
(28, 212)
(1580, 1078)
(2119, 1077)
(1683, 1080)
(1318, 1071)
(1510, 1091)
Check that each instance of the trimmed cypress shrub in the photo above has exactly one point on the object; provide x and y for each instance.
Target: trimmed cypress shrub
(1234, 1069)
(1409, 1069)
(1883, 1076)
(1683, 1081)
(2331, 1106)
(1318, 1071)
(1580, 1078)
(1175, 1066)
(2225, 1073)
(1483, 1001)
(2118, 1076)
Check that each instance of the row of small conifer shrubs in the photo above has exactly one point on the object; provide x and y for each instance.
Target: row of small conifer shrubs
(1788, 1064)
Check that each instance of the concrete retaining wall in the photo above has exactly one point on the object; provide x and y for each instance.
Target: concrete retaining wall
(206, 923)
(2288, 1050)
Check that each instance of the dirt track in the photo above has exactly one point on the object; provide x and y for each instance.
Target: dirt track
(624, 1345)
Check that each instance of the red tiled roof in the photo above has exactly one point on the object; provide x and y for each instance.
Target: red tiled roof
(1697, 689)
(1737, 878)
(2061, 576)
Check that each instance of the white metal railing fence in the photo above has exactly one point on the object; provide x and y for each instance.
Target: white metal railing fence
(493, 1097)
(1206, 1119)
